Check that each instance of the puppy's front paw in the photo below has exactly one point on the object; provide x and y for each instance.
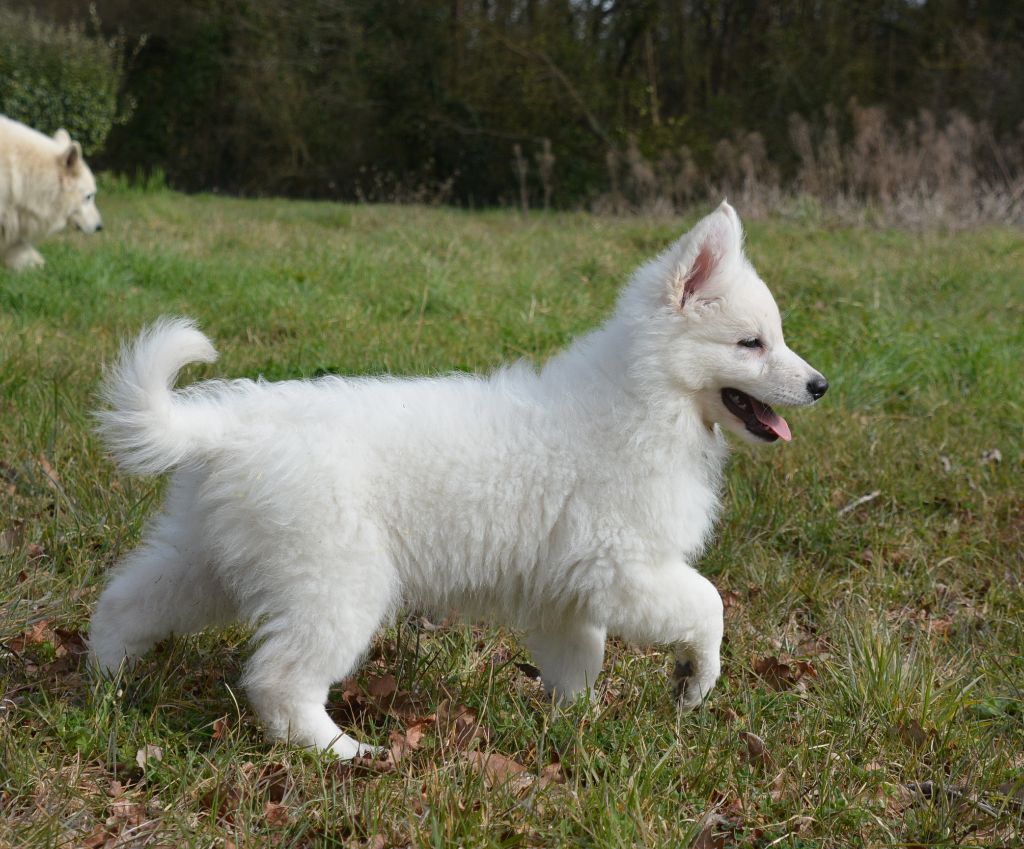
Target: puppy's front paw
(683, 682)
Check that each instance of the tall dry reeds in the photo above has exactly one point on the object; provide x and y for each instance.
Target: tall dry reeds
(855, 165)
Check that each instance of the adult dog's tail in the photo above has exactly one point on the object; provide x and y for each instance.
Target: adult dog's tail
(149, 427)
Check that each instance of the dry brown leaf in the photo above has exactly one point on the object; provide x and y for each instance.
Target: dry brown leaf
(222, 800)
(380, 687)
(7, 476)
(96, 838)
(725, 713)
(912, 733)
(405, 707)
(458, 726)
(148, 753)
(349, 689)
(731, 599)
(497, 769)
(132, 813)
(781, 675)
(783, 787)
(220, 728)
(52, 478)
(378, 841)
(708, 839)
(814, 647)
(274, 781)
(67, 642)
(757, 751)
(276, 813)
(12, 537)
(897, 798)
(551, 774)
(382, 698)
(38, 633)
(940, 626)
(402, 743)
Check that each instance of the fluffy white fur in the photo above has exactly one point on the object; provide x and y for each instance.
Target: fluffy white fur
(568, 503)
(44, 185)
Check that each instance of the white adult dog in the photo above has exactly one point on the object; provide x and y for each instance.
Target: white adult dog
(44, 185)
(569, 503)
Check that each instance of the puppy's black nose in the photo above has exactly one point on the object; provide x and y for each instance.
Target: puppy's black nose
(99, 227)
(817, 386)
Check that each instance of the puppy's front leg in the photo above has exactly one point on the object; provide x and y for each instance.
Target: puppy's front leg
(569, 655)
(674, 604)
(696, 670)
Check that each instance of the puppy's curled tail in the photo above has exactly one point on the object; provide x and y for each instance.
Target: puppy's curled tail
(150, 428)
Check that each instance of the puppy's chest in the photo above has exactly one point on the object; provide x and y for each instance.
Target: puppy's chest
(682, 509)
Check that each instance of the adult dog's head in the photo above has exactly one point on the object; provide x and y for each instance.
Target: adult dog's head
(78, 186)
(716, 333)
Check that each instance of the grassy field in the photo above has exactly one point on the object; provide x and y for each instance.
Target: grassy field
(874, 653)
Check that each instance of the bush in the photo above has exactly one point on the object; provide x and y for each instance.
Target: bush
(60, 76)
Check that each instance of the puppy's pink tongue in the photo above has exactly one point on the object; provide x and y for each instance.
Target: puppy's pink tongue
(771, 420)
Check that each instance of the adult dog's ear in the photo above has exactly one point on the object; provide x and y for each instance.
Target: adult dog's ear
(698, 258)
(62, 137)
(71, 159)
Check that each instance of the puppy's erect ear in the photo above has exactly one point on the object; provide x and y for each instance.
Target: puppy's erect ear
(71, 159)
(713, 244)
(62, 137)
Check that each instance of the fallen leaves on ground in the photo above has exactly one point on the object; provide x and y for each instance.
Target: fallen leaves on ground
(499, 770)
(148, 754)
(756, 750)
(128, 822)
(382, 697)
(714, 830)
(784, 675)
(458, 726)
(913, 734)
(52, 478)
(275, 813)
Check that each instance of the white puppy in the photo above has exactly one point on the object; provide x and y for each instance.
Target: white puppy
(44, 185)
(568, 503)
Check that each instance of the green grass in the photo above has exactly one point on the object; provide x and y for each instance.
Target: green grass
(899, 622)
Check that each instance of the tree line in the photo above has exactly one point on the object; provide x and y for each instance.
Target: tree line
(483, 102)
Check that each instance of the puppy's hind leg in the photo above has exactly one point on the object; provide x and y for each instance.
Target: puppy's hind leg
(569, 656)
(158, 590)
(165, 586)
(316, 628)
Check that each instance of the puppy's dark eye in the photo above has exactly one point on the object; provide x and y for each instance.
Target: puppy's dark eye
(751, 343)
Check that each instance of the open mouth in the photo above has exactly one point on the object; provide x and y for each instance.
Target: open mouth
(758, 418)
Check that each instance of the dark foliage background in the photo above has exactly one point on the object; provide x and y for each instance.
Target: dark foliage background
(347, 98)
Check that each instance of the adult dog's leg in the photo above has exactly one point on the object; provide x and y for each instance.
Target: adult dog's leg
(21, 256)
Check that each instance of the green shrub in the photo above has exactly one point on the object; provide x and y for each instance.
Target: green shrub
(55, 76)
